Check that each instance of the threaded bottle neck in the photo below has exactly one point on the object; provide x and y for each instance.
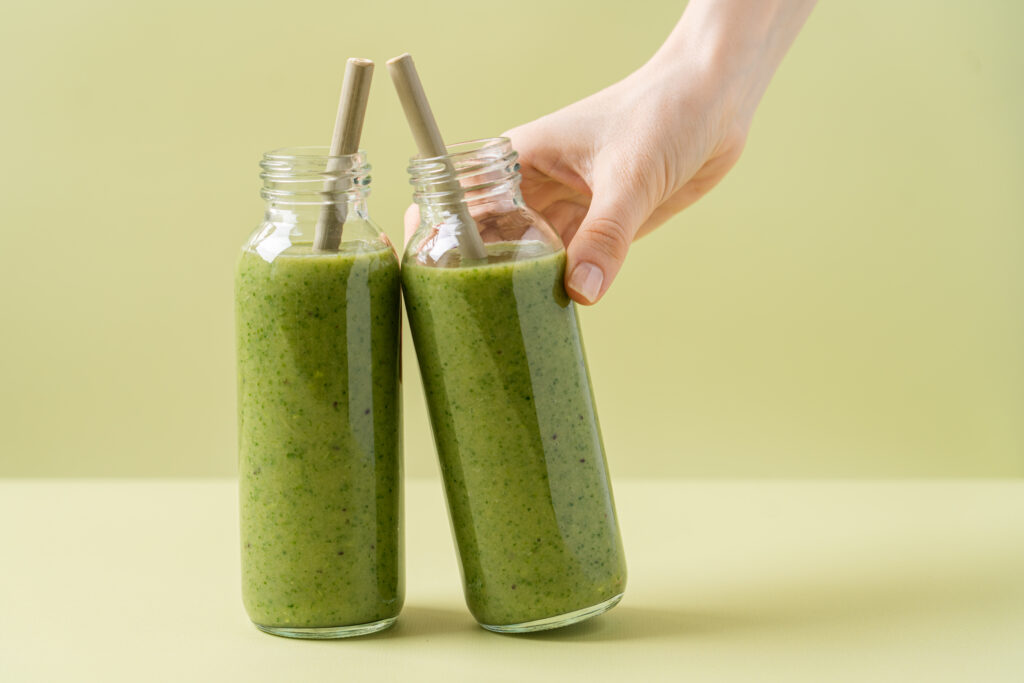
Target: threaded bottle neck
(304, 176)
(486, 170)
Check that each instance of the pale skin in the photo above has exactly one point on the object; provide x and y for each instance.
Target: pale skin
(612, 167)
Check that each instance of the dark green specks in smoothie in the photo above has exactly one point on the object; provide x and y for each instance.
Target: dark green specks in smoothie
(320, 435)
(517, 435)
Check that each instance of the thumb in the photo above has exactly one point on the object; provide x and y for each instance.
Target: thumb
(598, 249)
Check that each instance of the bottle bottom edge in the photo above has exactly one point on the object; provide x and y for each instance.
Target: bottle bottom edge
(557, 621)
(328, 632)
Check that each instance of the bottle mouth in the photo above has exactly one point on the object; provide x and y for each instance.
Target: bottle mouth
(309, 175)
(461, 151)
(478, 165)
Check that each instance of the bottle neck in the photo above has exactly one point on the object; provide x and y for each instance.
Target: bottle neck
(347, 206)
(486, 180)
(301, 183)
(471, 209)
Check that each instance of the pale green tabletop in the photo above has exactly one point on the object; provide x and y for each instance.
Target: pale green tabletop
(729, 581)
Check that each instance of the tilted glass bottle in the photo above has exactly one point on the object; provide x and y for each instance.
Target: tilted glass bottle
(510, 398)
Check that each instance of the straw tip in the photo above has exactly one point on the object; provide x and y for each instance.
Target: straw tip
(405, 56)
(360, 62)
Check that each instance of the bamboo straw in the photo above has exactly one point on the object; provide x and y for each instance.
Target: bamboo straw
(348, 126)
(431, 144)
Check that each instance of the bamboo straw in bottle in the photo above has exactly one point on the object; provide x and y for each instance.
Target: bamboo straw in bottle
(348, 126)
(431, 144)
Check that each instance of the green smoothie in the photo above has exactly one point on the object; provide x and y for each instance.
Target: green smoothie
(516, 432)
(320, 436)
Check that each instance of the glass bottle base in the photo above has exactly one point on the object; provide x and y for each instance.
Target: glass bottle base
(329, 632)
(557, 621)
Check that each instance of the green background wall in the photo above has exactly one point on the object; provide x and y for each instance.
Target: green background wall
(849, 302)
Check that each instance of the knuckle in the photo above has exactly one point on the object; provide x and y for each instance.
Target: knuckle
(608, 236)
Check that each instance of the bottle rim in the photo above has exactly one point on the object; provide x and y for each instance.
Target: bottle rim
(462, 150)
(311, 155)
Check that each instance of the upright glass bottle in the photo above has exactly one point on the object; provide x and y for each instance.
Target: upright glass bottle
(510, 399)
(319, 401)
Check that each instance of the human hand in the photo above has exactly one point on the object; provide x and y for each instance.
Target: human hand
(612, 167)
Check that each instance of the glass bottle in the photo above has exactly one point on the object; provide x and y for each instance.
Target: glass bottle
(319, 405)
(510, 398)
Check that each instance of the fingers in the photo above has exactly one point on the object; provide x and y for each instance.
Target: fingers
(582, 197)
(599, 248)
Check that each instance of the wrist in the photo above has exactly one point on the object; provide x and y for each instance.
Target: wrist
(730, 49)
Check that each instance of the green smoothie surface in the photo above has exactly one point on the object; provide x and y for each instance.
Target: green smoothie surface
(520, 448)
(320, 435)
